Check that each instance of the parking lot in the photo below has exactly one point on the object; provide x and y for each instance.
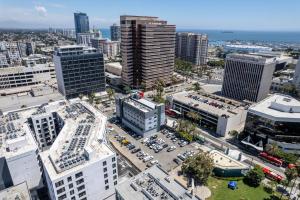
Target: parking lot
(152, 150)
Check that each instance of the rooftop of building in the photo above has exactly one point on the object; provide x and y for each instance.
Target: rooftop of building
(141, 103)
(80, 142)
(16, 136)
(225, 162)
(24, 69)
(73, 50)
(114, 65)
(279, 107)
(17, 192)
(257, 59)
(154, 183)
(210, 103)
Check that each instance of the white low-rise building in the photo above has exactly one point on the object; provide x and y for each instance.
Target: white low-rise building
(18, 151)
(217, 113)
(140, 115)
(79, 164)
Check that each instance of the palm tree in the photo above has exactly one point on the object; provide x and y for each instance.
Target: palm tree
(272, 148)
(110, 93)
(193, 115)
(159, 86)
(290, 174)
(91, 97)
(209, 76)
(196, 87)
(174, 81)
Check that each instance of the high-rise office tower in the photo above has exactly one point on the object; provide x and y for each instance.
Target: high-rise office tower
(247, 77)
(79, 70)
(192, 47)
(81, 23)
(115, 33)
(147, 49)
(296, 79)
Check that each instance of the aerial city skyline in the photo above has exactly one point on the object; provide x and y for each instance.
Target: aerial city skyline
(145, 103)
(233, 15)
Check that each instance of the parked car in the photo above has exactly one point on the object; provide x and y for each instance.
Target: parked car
(165, 145)
(172, 148)
(177, 161)
(147, 158)
(136, 150)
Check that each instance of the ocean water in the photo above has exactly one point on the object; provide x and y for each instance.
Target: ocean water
(248, 36)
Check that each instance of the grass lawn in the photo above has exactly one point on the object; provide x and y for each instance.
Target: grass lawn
(220, 191)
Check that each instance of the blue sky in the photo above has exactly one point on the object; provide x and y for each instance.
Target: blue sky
(279, 15)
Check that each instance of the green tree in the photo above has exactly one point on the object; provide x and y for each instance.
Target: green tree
(196, 87)
(91, 97)
(127, 89)
(234, 134)
(110, 93)
(290, 174)
(159, 87)
(198, 167)
(254, 176)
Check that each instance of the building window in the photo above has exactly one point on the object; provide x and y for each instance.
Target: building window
(105, 175)
(71, 185)
(59, 183)
(80, 187)
(113, 159)
(114, 171)
(79, 181)
(78, 175)
(71, 192)
(106, 187)
(73, 198)
(104, 163)
(84, 198)
(115, 177)
(114, 165)
(64, 196)
(104, 169)
(115, 183)
(106, 181)
(61, 190)
(69, 179)
(81, 194)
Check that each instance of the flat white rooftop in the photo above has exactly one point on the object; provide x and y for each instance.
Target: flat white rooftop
(142, 104)
(225, 162)
(278, 107)
(80, 142)
(250, 58)
(16, 137)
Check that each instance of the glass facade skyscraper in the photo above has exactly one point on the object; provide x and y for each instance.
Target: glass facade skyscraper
(81, 23)
(79, 70)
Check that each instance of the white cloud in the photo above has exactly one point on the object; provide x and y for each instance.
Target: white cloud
(42, 11)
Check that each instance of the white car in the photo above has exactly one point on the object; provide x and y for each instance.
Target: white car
(147, 158)
(154, 162)
(145, 140)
